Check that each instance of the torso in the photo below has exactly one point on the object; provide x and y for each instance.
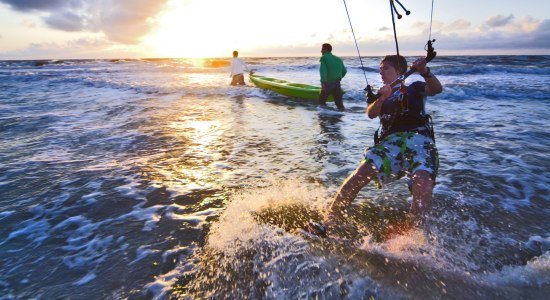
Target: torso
(392, 117)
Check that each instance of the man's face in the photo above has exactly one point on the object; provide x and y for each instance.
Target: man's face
(388, 73)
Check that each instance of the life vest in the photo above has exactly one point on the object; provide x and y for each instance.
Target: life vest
(405, 119)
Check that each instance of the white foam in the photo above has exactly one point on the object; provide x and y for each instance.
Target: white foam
(412, 245)
(87, 278)
(535, 273)
(131, 189)
(78, 220)
(177, 250)
(6, 182)
(52, 155)
(236, 224)
(142, 252)
(94, 184)
(163, 283)
(148, 214)
(162, 286)
(91, 197)
(35, 230)
(197, 219)
(86, 252)
(5, 214)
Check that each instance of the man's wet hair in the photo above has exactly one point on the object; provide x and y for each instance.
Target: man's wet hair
(326, 47)
(398, 62)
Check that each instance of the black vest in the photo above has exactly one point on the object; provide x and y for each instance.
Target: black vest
(405, 112)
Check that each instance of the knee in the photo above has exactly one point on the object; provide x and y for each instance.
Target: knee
(422, 180)
(366, 171)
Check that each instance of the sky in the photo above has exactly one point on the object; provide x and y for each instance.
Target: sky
(75, 29)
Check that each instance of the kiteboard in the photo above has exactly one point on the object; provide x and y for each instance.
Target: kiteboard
(377, 221)
(386, 268)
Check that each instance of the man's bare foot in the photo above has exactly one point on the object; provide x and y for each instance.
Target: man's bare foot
(412, 222)
(315, 228)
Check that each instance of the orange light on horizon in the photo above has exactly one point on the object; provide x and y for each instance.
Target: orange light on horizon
(191, 30)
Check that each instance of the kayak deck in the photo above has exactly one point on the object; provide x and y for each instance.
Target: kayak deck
(287, 88)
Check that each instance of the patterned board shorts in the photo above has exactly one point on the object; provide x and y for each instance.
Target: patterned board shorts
(402, 153)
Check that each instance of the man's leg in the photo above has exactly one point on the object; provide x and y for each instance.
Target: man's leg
(241, 79)
(422, 190)
(234, 80)
(349, 190)
(237, 79)
(323, 96)
(337, 94)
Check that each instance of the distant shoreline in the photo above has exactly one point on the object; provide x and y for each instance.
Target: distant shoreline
(60, 60)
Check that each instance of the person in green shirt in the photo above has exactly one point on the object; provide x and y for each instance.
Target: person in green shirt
(332, 71)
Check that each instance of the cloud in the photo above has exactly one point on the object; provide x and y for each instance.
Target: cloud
(123, 21)
(75, 49)
(527, 35)
(28, 24)
(458, 25)
(127, 20)
(515, 36)
(385, 28)
(66, 21)
(30, 5)
(457, 37)
(499, 20)
(540, 37)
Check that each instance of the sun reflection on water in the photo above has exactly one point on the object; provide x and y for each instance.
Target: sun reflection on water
(202, 132)
(195, 169)
(186, 163)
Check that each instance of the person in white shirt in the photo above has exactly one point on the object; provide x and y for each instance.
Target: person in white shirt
(237, 69)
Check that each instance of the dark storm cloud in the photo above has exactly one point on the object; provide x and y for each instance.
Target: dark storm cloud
(541, 37)
(28, 5)
(66, 21)
(123, 21)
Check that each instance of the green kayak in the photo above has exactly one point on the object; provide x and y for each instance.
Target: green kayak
(287, 88)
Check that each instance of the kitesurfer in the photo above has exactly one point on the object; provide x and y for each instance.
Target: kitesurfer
(406, 145)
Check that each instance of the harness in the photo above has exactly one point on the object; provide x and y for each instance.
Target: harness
(421, 122)
(426, 129)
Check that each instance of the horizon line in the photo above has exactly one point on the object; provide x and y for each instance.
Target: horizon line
(230, 57)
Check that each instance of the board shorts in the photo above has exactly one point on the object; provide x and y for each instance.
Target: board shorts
(400, 154)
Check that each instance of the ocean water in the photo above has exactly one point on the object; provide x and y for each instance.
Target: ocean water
(145, 178)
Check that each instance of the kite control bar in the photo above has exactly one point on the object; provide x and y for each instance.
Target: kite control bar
(371, 97)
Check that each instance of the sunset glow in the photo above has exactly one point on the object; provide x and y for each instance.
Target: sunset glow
(194, 29)
(182, 32)
(214, 28)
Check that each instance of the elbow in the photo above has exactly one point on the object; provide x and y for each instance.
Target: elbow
(371, 114)
(435, 90)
